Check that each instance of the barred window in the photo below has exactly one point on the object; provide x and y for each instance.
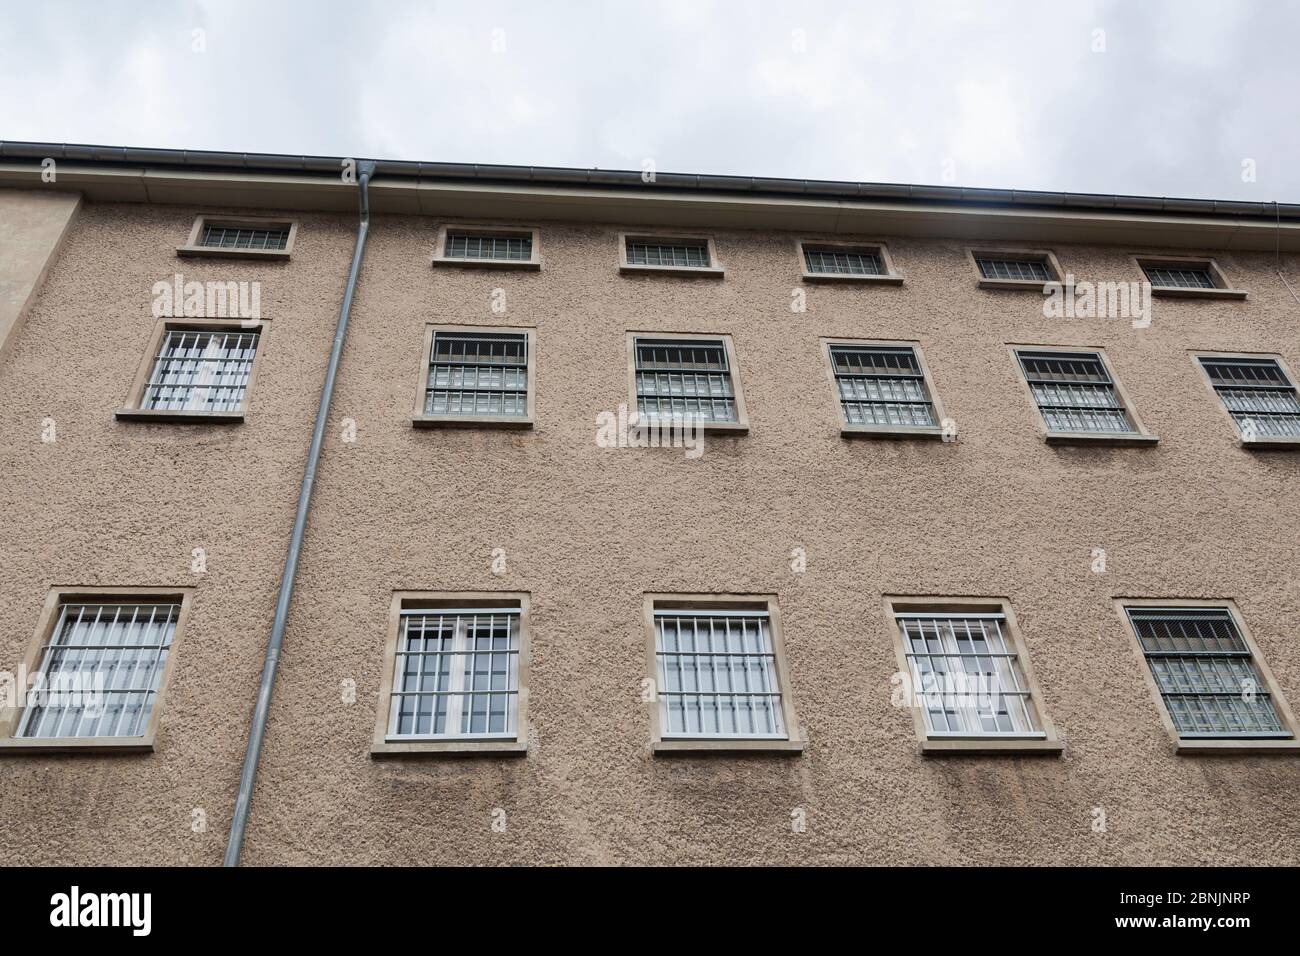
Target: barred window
(464, 245)
(243, 237)
(1029, 270)
(717, 675)
(1179, 277)
(201, 371)
(966, 676)
(832, 261)
(101, 670)
(478, 373)
(456, 674)
(1203, 669)
(881, 385)
(680, 253)
(684, 378)
(1257, 394)
(1074, 392)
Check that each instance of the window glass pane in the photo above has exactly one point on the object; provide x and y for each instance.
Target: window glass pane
(679, 253)
(684, 378)
(1203, 669)
(716, 675)
(243, 237)
(473, 373)
(881, 386)
(831, 261)
(1034, 270)
(462, 245)
(966, 676)
(201, 371)
(101, 671)
(456, 674)
(1074, 392)
(1257, 394)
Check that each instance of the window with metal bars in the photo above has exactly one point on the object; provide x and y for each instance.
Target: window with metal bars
(1179, 277)
(1075, 392)
(201, 371)
(675, 253)
(966, 676)
(1257, 394)
(478, 373)
(464, 245)
(881, 385)
(1026, 270)
(1203, 669)
(832, 261)
(717, 675)
(243, 237)
(456, 674)
(684, 378)
(100, 670)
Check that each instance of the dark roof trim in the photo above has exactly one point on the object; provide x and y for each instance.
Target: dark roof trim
(211, 161)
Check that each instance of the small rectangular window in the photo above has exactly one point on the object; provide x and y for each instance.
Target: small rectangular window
(465, 246)
(1025, 270)
(686, 378)
(1076, 395)
(243, 237)
(456, 674)
(1187, 277)
(840, 262)
(692, 255)
(478, 373)
(201, 371)
(970, 683)
(881, 386)
(1171, 278)
(1205, 673)
(846, 262)
(495, 247)
(719, 674)
(1257, 394)
(687, 255)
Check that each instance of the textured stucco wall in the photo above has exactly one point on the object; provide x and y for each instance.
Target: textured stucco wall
(588, 530)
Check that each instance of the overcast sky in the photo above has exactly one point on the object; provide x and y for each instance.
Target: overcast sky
(1155, 97)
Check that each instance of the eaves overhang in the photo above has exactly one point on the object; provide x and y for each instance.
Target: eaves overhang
(530, 193)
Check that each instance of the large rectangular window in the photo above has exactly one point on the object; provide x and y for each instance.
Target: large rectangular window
(685, 377)
(968, 677)
(477, 375)
(102, 659)
(1205, 673)
(457, 674)
(881, 385)
(1257, 394)
(201, 371)
(1075, 393)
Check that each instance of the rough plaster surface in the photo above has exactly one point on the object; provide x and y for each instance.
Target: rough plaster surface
(588, 530)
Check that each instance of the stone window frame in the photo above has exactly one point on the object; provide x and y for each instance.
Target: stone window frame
(1020, 254)
(507, 230)
(741, 425)
(1050, 744)
(421, 420)
(48, 620)
(714, 270)
(872, 247)
(133, 410)
(796, 740)
(1212, 746)
(1278, 443)
(381, 746)
(1223, 287)
(1142, 437)
(192, 248)
(849, 430)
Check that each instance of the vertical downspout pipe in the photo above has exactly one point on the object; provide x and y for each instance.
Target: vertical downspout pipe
(365, 169)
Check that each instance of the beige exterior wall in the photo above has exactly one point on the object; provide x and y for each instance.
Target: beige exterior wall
(587, 531)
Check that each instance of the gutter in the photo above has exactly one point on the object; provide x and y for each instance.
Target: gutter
(248, 775)
(557, 176)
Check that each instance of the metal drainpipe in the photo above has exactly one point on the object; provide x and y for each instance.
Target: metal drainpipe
(365, 169)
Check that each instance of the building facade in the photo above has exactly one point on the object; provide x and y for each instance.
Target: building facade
(974, 538)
